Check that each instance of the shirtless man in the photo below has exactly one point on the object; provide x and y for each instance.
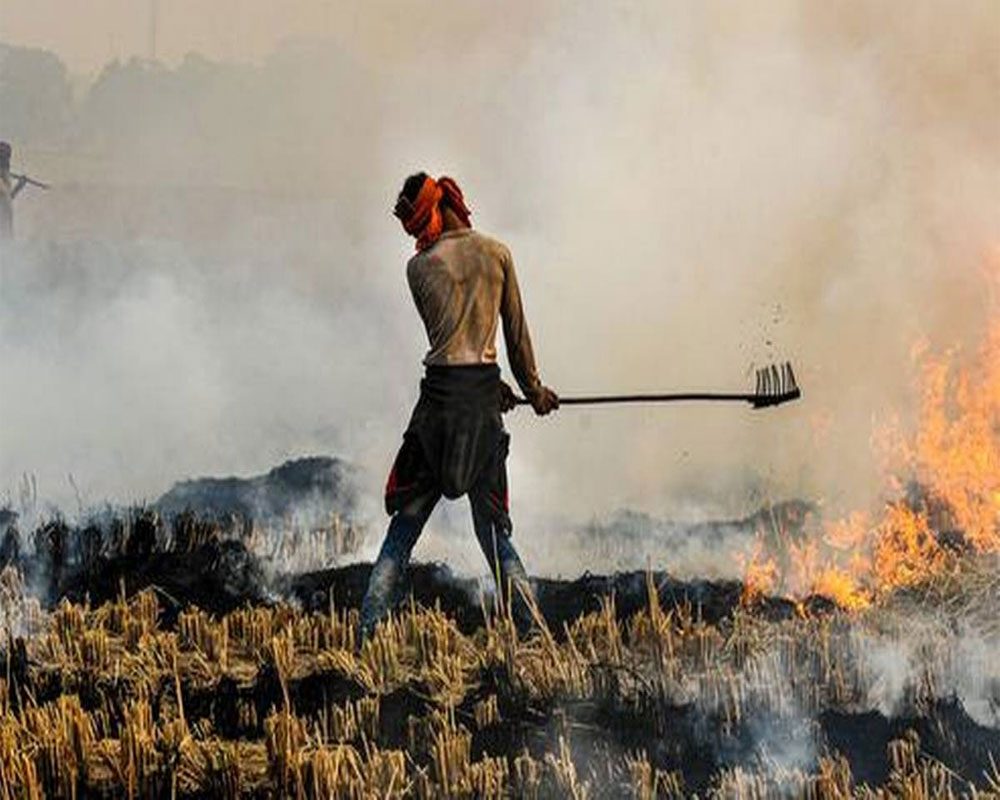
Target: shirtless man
(464, 286)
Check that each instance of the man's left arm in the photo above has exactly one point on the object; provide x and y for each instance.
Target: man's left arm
(520, 352)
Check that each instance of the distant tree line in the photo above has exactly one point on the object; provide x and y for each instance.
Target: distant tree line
(305, 99)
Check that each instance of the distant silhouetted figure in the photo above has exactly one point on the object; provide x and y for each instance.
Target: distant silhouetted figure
(6, 194)
(10, 186)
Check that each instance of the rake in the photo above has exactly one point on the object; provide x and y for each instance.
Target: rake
(775, 385)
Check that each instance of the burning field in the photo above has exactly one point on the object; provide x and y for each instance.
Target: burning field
(727, 602)
(153, 654)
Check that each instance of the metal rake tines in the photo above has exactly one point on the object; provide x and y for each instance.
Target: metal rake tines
(775, 385)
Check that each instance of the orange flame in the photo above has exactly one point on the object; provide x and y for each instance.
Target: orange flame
(842, 587)
(760, 575)
(951, 463)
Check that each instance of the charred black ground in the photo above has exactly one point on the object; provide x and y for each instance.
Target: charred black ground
(193, 561)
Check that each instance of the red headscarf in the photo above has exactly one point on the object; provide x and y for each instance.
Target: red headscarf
(422, 218)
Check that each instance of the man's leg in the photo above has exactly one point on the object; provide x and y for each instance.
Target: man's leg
(404, 530)
(505, 565)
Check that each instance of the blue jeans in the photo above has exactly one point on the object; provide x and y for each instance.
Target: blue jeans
(404, 530)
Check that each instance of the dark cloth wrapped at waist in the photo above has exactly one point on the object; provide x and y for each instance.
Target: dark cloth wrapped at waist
(473, 387)
(455, 437)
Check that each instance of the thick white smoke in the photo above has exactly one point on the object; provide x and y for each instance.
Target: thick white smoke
(217, 284)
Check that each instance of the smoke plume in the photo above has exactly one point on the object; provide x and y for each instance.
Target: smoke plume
(216, 283)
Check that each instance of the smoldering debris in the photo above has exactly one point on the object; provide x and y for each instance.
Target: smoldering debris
(303, 519)
(216, 562)
(303, 489)
(626, 539)
(307, 513)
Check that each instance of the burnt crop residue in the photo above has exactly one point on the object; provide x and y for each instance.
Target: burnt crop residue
(159, 656)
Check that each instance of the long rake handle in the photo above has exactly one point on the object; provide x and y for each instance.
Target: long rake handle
(774, 387)
(649, 398)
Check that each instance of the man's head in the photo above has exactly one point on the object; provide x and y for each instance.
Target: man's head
(426, 207)
(408, 194)
(5, 152)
